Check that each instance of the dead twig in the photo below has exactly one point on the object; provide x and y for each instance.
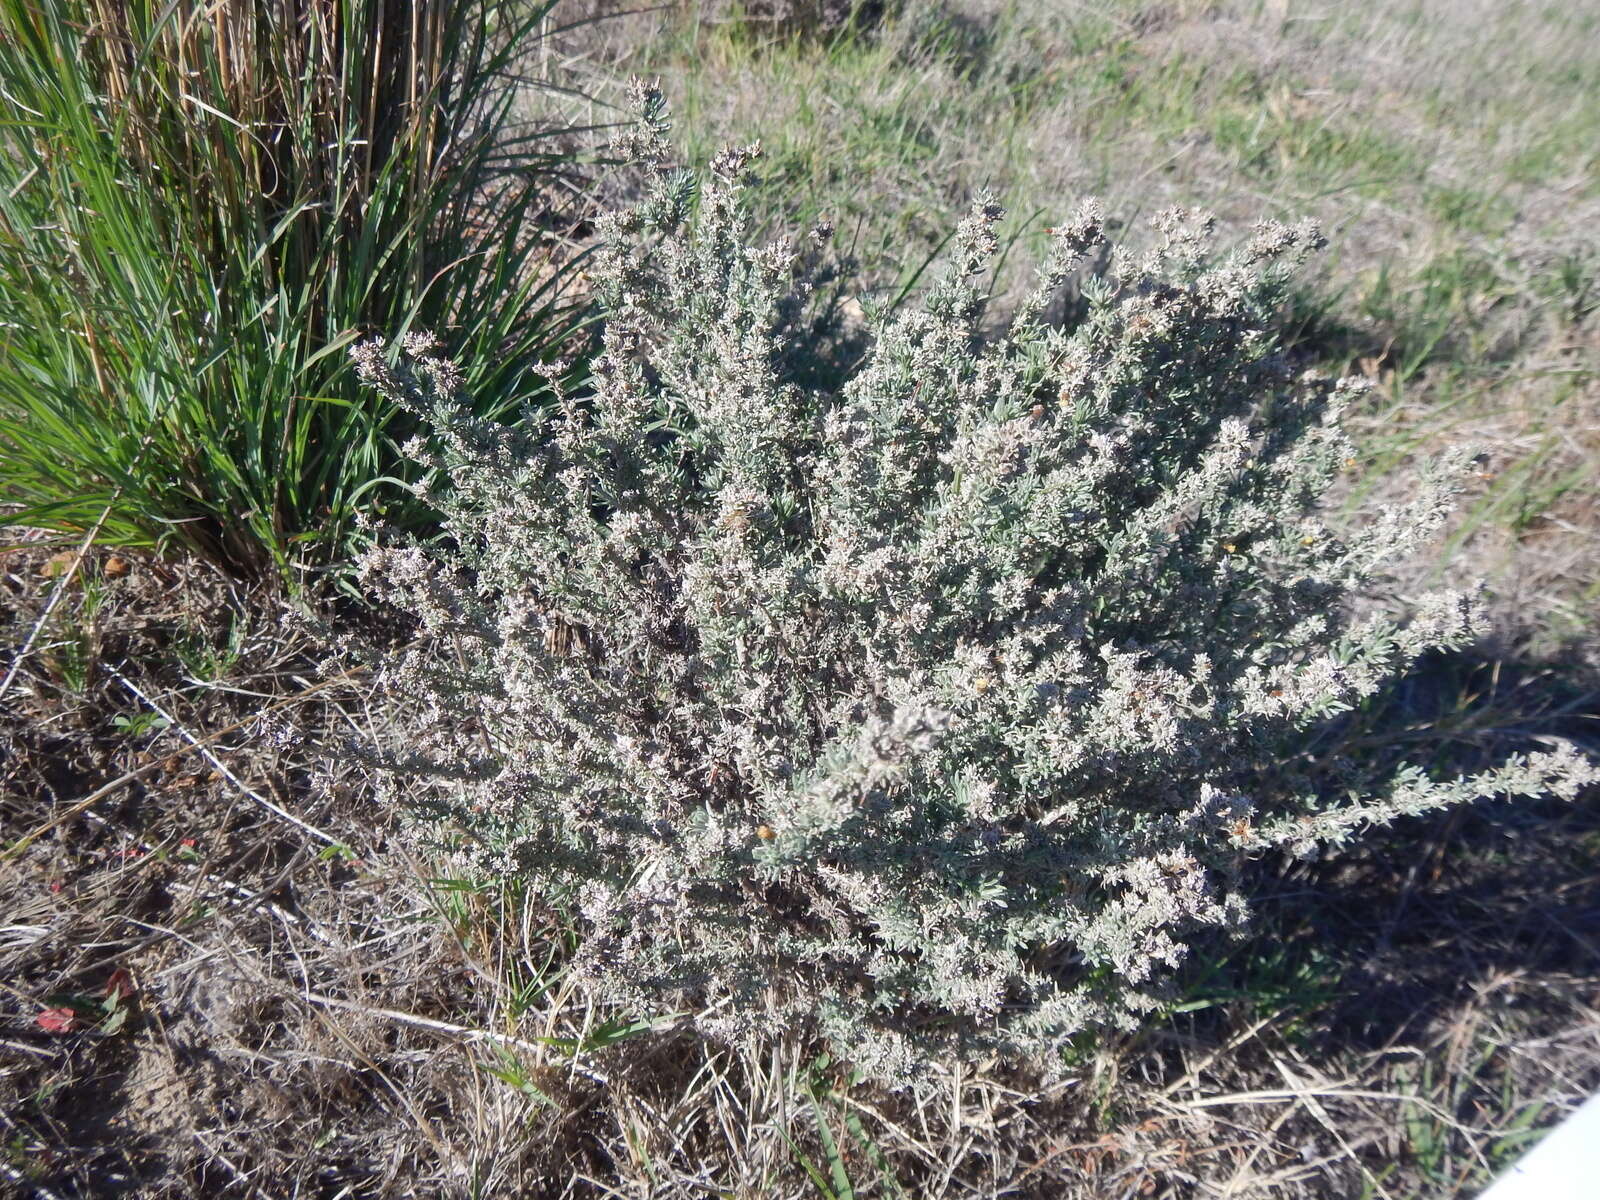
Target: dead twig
(458, 1032)
(196, 744)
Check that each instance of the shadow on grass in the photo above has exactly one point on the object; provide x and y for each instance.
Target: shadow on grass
(1355, 953)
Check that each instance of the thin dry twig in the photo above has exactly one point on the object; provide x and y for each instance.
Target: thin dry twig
(459, 1032)
(1314, 1106)
(196, 744)
(221, 767)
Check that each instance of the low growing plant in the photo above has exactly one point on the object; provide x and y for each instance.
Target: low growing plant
(936, 711)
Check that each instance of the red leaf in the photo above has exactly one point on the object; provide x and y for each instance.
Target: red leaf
(120, 985)
(57, 1020)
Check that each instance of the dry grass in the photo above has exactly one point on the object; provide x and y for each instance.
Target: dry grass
(262, 998)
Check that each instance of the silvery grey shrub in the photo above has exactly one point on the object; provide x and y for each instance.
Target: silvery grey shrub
(934, 712)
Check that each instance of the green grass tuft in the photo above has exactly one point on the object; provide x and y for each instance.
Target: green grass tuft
(201, 206)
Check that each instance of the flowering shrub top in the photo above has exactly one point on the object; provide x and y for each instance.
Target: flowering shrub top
(937, 710)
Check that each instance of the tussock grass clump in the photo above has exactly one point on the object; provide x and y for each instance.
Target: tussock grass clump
(203, 205)
(937, 710)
